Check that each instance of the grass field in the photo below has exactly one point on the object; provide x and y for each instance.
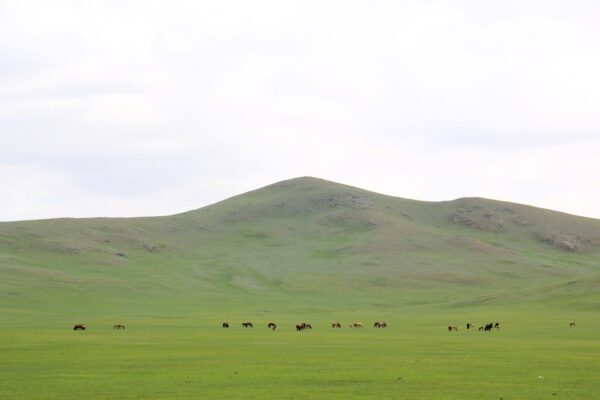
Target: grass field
(303, 250)
(535, 355)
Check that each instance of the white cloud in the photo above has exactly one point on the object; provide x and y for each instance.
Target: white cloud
(129, 108)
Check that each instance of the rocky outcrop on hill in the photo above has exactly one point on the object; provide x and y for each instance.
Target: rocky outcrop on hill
(478, 217)
(565, 241)
(344, 199)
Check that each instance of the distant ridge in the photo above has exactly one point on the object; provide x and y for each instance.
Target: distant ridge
(311, 236)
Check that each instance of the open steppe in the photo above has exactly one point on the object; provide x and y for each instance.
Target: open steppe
(303, 250)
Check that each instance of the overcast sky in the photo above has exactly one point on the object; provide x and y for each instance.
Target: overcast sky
(120, 108)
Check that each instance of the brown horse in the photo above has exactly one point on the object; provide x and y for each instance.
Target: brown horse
(300, 327)
(79, 327)
(356, 325)
(336, 324)
(225, 325)
(572, 324)
(247, 324)
(452, 328)
(119, 326)
(380, 324)
(271, 325)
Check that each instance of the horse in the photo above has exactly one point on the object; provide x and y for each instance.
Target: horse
(225, 325)
(356, 325)
(480, 328)
(79, 327)
(300, 327)
(119, 326)
(307, 326)
(272, 325)
(488, 327)
(336, 324)
(497, 326)
(247, 324)
(380, 324)
(470, 325)
(452, 328)
(572, 324)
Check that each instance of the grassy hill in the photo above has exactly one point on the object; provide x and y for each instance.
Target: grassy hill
(303, 250)
(304, 244)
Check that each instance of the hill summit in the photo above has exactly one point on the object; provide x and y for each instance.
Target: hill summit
(324, 241)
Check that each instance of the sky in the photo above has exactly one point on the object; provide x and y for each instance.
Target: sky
(135, 108)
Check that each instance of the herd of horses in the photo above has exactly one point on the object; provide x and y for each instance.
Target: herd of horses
(486, 327)
(82, 327)
(305, 325)
(335, 324)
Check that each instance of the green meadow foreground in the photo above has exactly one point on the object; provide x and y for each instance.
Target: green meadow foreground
(303, 250)
(531, 357)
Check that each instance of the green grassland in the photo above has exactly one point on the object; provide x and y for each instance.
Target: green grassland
(303, 250)
(531, 357)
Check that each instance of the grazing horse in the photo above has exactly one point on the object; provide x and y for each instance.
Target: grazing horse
(307, 326)
(79, 327)
(497, 326)
(480, 328)
(572, 324)
(470, 325)
(247, 324)
(336, 324)
(272, 325)
(452, 328)
(380, 324)
(488, 327)
(119, 326)
(356, 325)
(300, 327)
(225, 324)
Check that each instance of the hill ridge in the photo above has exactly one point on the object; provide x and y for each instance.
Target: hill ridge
(309, 235)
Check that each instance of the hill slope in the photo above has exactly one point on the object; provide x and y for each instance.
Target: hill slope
(305, 243)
